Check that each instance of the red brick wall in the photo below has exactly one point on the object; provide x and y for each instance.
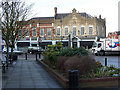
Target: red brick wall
(42, 23)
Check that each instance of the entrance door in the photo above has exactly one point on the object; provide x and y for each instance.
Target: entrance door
(74, 44)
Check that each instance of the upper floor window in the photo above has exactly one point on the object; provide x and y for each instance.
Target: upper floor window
(98, 30)
(34, 31)
(90, 30)
(103, 32)
(74, 31)
(19, 32)
(82, 30)
(58, 31)
(27, 32)
(66, 30)
(41, 31)
(48, 31)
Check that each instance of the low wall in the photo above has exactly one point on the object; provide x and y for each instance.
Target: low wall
(108, 82)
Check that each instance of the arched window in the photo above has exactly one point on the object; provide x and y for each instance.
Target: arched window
(90, 30)
(98, 30)
(41, 31)
(19, 33)
(27, 32)
(66, 30)
(82, 30)
(48, 31)
(34, 31)
(74, 30)
(58, 31)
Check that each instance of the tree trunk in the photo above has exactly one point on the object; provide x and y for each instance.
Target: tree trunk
(12, 46)
(7, 58)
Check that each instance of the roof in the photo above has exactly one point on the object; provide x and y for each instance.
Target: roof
(62, 15)
(43, 18)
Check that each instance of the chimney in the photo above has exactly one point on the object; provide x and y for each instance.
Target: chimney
(95, 17)
(55, 10)
(99, 16)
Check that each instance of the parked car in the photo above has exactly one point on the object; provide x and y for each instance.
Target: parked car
(33, 50)
(14, 51)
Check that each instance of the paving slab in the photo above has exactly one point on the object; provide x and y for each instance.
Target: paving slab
(28, 74)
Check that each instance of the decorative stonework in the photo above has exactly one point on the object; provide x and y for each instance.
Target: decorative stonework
(80, 19)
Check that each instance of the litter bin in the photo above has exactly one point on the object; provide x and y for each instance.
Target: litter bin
(73, 79)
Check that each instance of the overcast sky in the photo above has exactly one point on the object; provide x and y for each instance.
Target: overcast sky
(107, 8)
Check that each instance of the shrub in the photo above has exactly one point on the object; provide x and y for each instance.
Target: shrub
(103, 71)
(73, 51)
(60, 63)
(51, 54)
(83, 64)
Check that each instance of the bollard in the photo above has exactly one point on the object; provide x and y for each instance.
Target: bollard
(73, 79)
(105, 61)
(26, 56)
(36, 56)
(3, 66)
(39, 55)
(6, 64)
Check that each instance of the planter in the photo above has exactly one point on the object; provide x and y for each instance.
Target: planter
(100, 82)
(83, 83)
(63, 81)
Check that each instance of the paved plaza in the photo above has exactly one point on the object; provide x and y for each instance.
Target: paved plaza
(28, 74)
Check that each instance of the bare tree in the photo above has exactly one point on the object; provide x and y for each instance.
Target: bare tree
(13, 15)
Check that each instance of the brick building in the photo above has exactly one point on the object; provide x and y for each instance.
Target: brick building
(80, 25)
(35, 29)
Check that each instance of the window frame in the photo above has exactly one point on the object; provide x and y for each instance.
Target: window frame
(34, 28)
(90, 26)
(65, 30)
(81, 30)
(19, 32)
(48, 32)
(103, 31)
(41, 29)
(59, 31)
(28, 32)
(73, 30)
(98, 33)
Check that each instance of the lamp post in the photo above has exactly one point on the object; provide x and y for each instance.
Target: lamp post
(61, 29)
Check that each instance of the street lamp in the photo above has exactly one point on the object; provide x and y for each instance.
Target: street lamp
(61, 29)
(78, 32)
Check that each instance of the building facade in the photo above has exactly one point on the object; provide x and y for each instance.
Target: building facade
(48, 29)
(36, 29)
(81, 25)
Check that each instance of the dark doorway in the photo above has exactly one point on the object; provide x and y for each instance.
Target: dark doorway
(34, 45)
(74, 44)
